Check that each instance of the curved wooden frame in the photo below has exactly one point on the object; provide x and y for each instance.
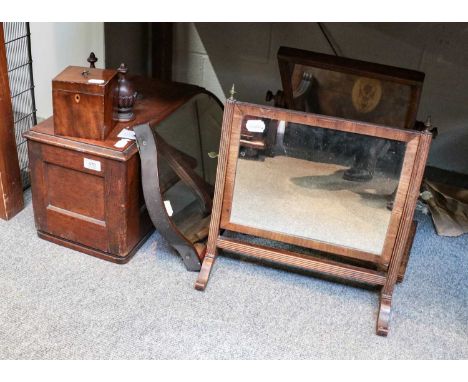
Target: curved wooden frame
(400, 226)
(151, 146)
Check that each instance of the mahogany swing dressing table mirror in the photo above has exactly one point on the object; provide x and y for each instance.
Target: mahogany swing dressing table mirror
(297, 195)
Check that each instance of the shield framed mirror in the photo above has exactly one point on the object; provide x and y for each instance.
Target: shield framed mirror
(279, 183)
(178, 174)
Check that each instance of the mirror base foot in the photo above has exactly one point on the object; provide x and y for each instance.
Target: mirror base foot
(383, 319)
(205, 271)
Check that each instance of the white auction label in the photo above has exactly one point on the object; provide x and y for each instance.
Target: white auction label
(255, 126)
(95, 81)
(122, 143)
(127, 134)
(91, 164)
(167, 204)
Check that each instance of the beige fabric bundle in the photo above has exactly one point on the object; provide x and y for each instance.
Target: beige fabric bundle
(448, 206)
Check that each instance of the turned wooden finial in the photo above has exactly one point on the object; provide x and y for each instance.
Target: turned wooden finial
(92, 59)
(123, 68)
(126, 96)
(428, 123)
(428, 126)
(232, 92)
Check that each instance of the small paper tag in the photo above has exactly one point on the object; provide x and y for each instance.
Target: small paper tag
(167, 204)
(255, 126)
(122, 143)
(127, 134)
(91, 164)
(95, 81)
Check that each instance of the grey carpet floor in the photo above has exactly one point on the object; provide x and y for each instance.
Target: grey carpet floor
(60, 304)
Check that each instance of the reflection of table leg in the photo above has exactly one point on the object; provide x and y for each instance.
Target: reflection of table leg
(205, 271)
(409, 245)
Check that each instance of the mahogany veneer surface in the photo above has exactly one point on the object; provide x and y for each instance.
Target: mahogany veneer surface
(98, 211)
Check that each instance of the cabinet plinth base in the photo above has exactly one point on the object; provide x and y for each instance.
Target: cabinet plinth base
(92, 251)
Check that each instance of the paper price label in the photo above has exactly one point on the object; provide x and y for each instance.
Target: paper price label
(127, 134)
(167, 204)
(91, 164)
(255, 126)
(95, 81)
(121, 143)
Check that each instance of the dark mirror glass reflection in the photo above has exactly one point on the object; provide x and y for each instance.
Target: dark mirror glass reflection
(315, 183)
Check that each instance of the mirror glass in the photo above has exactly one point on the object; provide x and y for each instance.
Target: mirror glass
(339, 94)
(185, 140)
(315, 183)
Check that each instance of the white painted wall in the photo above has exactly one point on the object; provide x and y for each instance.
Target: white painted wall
(55, 46)
(215, 55)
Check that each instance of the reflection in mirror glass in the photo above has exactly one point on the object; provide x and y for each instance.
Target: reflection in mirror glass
(315, 183)
(345, 95)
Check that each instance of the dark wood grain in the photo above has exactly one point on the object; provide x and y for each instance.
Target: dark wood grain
(406, 254)
(359, 67)
(101, 213)
(327, 122)
(93, 251)
(83, 109)
(327, 267)
(11, 189)
(159, 100)
(211, 249)
(389, 76)
(403, 235)
(401, 192)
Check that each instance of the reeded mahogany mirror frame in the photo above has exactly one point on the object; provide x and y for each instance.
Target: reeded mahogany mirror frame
(384, 269)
